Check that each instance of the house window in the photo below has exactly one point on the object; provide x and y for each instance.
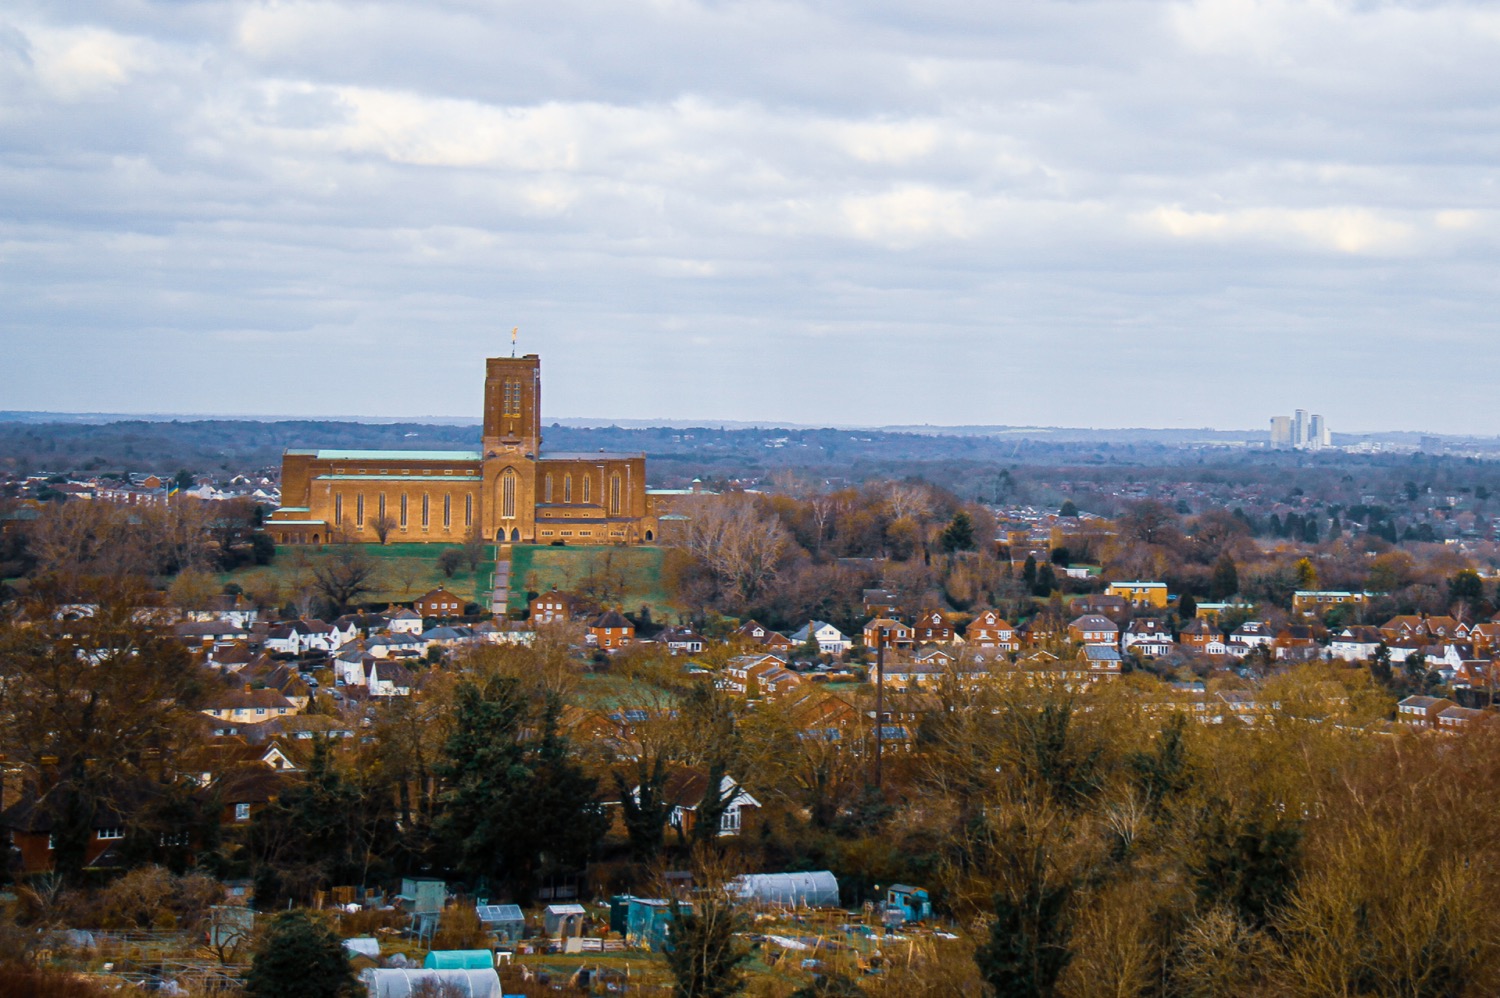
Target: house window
(359, 511)
(614, 495)
(109, 833)
(508, 495)
(242, 812)
(403, 511)
(468, 511)
(567, 488)
(338, 510)
(447, 511)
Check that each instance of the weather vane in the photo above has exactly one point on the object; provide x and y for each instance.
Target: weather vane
(513, 331)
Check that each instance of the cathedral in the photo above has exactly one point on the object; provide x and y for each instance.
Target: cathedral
(508, 490)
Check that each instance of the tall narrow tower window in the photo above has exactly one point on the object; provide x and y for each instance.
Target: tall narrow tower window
(512, 398)
(508, 495)
(614, 495)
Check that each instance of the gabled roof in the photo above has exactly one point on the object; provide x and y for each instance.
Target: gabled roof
(1094, 622)
(611, 619)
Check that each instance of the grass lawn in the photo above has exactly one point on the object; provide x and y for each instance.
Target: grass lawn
(407, 571)
(637, 569)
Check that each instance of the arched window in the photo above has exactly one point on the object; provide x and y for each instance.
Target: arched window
(508, 494)
(567, 488)
(614, 495)
(586, 490)
(547, 488)
(338, 510)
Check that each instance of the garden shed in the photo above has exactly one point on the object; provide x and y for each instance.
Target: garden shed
(564, 920)
(505, 920)
(812, 889)
(649, 923)
(459, 959)
(400, 983)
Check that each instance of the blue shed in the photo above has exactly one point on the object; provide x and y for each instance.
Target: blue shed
(649, 923)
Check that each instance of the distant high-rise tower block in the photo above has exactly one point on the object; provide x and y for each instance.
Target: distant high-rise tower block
(1303, 431)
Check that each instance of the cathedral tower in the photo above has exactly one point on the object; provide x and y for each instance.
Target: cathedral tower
(512, 441)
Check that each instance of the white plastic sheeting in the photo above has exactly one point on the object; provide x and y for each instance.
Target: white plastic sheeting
(399, 983)
(813, 889)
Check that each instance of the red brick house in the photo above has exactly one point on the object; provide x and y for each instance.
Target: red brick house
(611, 631)
(989, 630)
(932, 625)
(439, 603)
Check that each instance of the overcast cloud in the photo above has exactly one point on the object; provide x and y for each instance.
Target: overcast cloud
(1084, 213)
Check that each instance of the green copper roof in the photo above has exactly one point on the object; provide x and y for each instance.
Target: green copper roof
(398, 455)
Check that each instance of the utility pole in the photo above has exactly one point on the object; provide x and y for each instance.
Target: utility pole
(879, 704)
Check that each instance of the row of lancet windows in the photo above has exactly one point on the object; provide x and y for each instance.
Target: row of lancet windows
(509, 486)
(359, 510)
(585, 487)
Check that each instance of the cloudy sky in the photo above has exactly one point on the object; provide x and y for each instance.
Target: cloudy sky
(1078, 212)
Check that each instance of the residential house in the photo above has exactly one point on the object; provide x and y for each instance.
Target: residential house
(932, 626)
(1140, 594)
(1093, 629)
(404, 621)
(686, 789)
(611, 631)
(1456, 719)
(1420, 713)
(1198, 635)
(243, 703)
(759, 676)
(881, 602)
(553, 607)
(1316, 602)
(1254, 633)
(1296, 643)
(227, 609)
(1355, 644)
(396, 645)
(989, 630)
(755, 633)
(680, 641)
(439, 603)
(1148, 636)
(830, 640)
(888, 632)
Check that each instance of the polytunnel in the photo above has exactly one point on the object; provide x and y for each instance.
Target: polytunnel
(811, 889)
